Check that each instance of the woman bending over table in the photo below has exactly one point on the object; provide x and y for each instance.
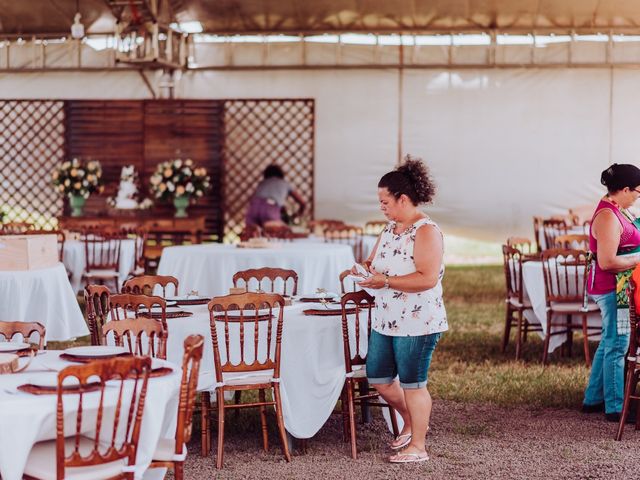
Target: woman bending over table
(612, 234)
(407, 269)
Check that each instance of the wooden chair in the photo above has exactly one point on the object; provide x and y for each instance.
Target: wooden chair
(96, 301)
(317, 227)
(144, 337)
(171, 453)
(24, 329)
(166, 236)
(260, 274)
(16, 228)
(582, 214)
(565, 282)
(522, 244)
(278, 232)
(537, 232)
(348, 235)
(233, 319)
(576, 241)
(250, 231)
(145, 284)
(102, 253)
(101, 453)
(552, 228)
(139, 236)
(355, 361)
(127, 305)
(343, 279)
(375, 227)
(515, 302)
(632, 360)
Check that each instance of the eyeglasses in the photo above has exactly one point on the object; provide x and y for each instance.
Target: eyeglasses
(636, 190)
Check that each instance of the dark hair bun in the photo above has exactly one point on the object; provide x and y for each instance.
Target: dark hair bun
(418, 175)
(411, 179)
(619, 176)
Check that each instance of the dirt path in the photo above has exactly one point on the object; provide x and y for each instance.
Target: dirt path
(466, 441)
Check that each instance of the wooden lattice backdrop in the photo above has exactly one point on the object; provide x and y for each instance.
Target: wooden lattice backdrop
(31, 145)
(259, 133)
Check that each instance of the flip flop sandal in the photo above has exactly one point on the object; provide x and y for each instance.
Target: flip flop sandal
(406, 440)
(408, 458)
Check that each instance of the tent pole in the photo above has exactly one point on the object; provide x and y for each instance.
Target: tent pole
(400, 99)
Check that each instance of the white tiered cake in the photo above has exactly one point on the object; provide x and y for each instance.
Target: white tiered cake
(127, 191)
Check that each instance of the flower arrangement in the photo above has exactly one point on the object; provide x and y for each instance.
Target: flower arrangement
(77, 178)
(179, 178)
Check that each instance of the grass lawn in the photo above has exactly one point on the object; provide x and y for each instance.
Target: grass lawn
(468, 365)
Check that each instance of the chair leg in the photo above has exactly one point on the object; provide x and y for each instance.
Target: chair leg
(547, 337)
(631, 385)
(220, 400)
(526, 331)
(280, 418)
(585, 335)
(263, 420)
(237, 398)
(394, 422)
(205, 404)
(352, 420)
(178, 470)
(519, 335)
(569, 336)
(507, 328)
(345, 415)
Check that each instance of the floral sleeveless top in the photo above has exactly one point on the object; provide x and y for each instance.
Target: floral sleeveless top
(401, 313)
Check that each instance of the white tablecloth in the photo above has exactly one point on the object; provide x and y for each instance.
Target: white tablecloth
(75, 260)
(368, 242)
(312, 362)
(533, 284)
(44, 296)
(27, 419)
(209, 268)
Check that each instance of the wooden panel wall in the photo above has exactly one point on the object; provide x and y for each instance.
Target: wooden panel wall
(145, 133)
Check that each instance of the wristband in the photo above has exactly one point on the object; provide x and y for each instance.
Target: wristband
(386, 281)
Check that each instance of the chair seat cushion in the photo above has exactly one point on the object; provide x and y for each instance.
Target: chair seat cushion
(247, 378)
(166, 451)
(516, 302)
(41, 463)
(359, 371)
(100, 273)
(573, 307)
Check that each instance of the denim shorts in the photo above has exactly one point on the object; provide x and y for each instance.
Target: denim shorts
(406, 357)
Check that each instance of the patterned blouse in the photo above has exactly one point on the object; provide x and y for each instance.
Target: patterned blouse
(401, 313)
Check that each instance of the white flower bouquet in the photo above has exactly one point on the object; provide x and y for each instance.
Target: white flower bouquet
(179, 178)
(77, 178)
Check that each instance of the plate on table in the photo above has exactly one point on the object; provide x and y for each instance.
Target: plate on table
(96, 351)
(248, 315)
(13, 346)
(318, 297)
(158, 309)
(190, 300)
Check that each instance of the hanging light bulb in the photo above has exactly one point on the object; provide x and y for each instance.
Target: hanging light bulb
(77, 29)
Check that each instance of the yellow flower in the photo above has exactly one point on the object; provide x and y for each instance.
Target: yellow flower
(168, 172)
(162, 187)
(155, 180)
(74, 172)
(77, 185)
(55, 175)
(180, 190)
(91, 178)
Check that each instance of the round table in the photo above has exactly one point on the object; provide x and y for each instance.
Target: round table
(74, 258)
(27, 419)
(209, 268)
(43, 295)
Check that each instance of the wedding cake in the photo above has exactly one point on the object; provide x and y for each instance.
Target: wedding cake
(127, 191)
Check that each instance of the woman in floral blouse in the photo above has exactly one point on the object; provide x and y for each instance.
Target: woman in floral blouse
(407, 269)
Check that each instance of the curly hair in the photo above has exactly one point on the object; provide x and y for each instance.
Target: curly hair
(412, 179)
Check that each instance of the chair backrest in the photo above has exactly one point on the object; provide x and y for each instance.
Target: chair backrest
(552, 228)
(348, 235)
(250, 231)
(58, 233)
(279, 232)
(521, 243)
(344, 283)
(356, 327)
(128, 305)
(96, 301)
(564, 275)
(634, 303)
(244, 325)
(577, 241)
(139, 236)
(118, 430)
(512, 259)
(142, 336)
(537, 232)
(259, 275)
(15, 228)
(102, 250)
(375, 227)
(24, 329)
(193, 346)
(319, 225)
(582, 213)
(145, 284)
